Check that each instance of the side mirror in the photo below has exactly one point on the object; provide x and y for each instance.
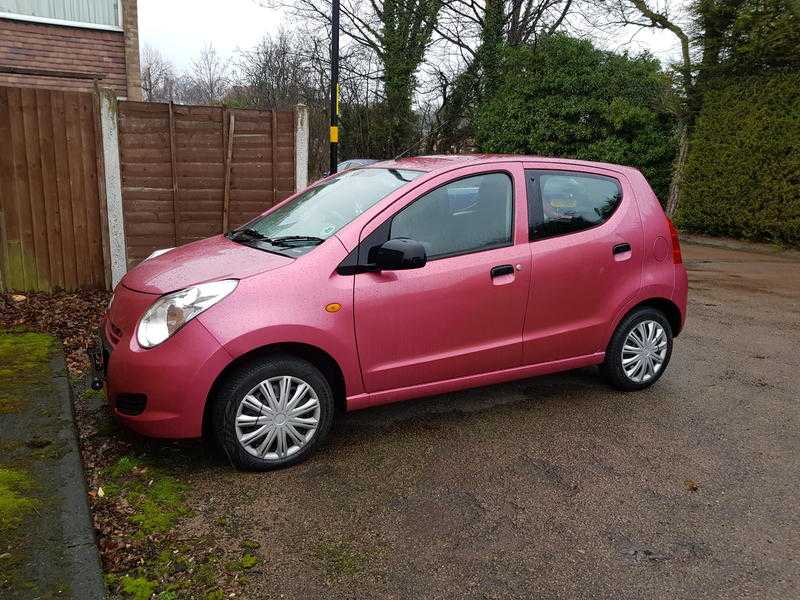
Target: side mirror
(399, 254)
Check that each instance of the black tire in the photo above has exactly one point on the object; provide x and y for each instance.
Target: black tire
(240, 382)
(612, 368)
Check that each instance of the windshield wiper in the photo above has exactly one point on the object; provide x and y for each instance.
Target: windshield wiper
(286, 241)
(296, 240)
(250, 233)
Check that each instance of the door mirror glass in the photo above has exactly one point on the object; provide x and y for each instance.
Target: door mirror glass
(398, 254)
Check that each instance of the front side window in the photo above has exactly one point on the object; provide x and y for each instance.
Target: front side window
(468, 215)
(570, 202)
(322, 210)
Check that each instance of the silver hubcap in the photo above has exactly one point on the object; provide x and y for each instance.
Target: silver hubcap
(277, 417)
(644, 351)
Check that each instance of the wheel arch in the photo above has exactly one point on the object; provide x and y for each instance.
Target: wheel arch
(313, 354)
(664, 305)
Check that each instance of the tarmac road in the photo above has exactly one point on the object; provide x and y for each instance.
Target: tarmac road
(559, 487)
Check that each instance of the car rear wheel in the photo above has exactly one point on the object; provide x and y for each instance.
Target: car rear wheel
(272, 412)
(639, 351)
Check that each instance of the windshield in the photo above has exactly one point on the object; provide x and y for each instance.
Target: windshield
(319, 212)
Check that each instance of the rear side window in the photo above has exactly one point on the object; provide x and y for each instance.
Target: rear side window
(563, 202)
(468, 215)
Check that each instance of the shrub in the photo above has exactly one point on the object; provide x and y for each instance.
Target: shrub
(566, 98)
(742, 175)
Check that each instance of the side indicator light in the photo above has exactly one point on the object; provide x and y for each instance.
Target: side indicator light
(333, 307)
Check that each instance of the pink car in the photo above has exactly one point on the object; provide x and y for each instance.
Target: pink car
(403, 279)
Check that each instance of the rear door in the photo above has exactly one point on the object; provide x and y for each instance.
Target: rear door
(462, 313)
(587, 247)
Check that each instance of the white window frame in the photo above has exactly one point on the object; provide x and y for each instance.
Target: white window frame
(66, 23)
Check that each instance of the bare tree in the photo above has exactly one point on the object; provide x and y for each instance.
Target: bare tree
(472, 31)
(284, 70)
(157, 75)
(292, 67)
(210, 76)
(398, 33)
(656, 14)
(467, 23)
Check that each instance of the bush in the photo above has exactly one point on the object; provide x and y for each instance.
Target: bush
(742, 175)
(566, 98)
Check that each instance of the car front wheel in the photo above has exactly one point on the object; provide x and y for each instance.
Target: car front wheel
(272, 412)
(639, 350)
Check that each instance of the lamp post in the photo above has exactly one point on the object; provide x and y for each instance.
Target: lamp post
(334, 132)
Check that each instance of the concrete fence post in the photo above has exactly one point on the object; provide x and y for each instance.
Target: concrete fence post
(300, 147)
(113, 180)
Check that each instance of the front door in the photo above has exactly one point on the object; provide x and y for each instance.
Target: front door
(462, 313)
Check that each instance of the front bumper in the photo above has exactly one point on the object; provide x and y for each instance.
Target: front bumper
(162, 391)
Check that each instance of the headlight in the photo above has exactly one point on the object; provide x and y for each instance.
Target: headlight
(171, 312)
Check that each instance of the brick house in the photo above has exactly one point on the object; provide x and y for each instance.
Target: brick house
(70, 45)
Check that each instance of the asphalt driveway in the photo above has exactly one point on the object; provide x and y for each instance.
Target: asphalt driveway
(558, 486)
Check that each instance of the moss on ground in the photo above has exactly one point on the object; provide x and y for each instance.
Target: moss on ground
(90, 394)
(175, 572)
(339, 559)
(21, 353)
(25, 376)
(10, 404)
(158, 499)
(24, 358)
(246, 562)
(14, 503)
(138, 588)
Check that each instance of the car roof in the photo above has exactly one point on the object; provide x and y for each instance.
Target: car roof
(444, 162)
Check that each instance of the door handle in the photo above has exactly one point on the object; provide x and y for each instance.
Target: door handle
(620, 248)
(501, 270)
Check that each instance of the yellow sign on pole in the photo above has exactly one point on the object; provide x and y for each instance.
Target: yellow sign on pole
(334, 135)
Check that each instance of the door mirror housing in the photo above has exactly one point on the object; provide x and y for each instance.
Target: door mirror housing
(399, 254)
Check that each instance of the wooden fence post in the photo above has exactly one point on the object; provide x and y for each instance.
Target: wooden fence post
(300, 147)
(173, 158)
(113, 186)
(226, 201)
(274, 130)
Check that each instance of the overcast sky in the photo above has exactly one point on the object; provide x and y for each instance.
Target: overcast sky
(181, 28)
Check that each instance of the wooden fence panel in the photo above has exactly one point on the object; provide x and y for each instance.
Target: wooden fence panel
(51, 228)
(187, 171)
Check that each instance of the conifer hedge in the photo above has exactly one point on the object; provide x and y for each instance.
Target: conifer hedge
(742, 175)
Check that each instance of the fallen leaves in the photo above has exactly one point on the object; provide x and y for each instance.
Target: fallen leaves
(135, 505)
(73, 317)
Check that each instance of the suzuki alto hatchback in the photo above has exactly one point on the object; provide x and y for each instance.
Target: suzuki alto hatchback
(403, 279)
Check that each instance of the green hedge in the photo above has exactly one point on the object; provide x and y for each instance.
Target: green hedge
(742, 175)
(564, 97)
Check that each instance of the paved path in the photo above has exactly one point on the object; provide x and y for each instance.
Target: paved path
(47, 547)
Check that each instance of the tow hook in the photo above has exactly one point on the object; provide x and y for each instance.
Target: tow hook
(96, 359)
